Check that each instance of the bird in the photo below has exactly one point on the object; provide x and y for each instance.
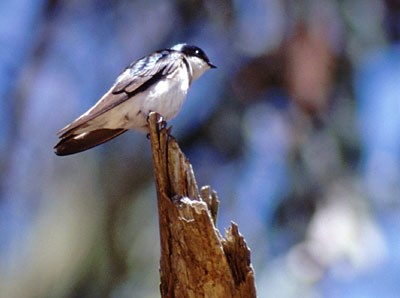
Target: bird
(158, 82)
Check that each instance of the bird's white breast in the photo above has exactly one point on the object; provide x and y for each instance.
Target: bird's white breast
(165, 97)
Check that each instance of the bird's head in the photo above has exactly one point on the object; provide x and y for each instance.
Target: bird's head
(197, 58)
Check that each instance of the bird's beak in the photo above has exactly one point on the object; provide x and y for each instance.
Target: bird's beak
(211, 65)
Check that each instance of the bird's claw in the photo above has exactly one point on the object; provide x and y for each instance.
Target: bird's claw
(161, 122)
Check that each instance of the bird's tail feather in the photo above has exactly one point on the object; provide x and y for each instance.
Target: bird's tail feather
(80, 142)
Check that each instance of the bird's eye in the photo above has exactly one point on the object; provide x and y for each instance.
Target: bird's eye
(197, 52)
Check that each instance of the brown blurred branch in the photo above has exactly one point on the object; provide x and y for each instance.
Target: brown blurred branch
(196, 261)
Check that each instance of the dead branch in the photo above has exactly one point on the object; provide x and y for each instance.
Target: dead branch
(196, 261)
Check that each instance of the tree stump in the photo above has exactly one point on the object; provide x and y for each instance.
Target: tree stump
(196, 261)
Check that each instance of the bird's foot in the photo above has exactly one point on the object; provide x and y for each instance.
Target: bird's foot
(160, 120)
(161, 124)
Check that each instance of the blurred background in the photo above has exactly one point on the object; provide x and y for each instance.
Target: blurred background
(298, 130)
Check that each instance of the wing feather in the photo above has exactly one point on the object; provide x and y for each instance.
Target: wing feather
(81, 142)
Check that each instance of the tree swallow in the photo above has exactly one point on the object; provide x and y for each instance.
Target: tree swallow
(158, 83)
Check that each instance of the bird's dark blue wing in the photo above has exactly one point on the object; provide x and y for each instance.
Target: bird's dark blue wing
(138, 73)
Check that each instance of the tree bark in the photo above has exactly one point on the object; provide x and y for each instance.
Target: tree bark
(196, 261)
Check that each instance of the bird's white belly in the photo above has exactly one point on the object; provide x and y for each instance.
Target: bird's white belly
(165, 97)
